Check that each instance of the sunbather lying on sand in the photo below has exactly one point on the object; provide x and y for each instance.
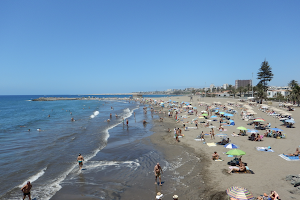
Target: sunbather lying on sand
(239, 168)
(273, 196)
(297, 153)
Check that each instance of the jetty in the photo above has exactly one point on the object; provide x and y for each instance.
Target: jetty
(56, 98)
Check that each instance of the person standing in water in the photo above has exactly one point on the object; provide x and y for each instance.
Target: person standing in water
(80, 161)
(157, 171)
(26, 190)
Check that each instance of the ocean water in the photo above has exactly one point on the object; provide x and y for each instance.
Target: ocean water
(48, 157)
(117, 158)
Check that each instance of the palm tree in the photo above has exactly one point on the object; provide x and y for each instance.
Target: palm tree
(248, 88)
(245, 90)
(232, 90)
(260, 92)
(265, 75)
(240, 90)
(295, 91)
(292, 83)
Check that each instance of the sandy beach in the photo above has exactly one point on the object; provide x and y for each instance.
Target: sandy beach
(212, 179)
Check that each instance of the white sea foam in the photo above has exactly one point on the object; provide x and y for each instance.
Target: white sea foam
(94, 114)
(103, 164)
(34, 177)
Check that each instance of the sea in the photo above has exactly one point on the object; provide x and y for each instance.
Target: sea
(40, 143)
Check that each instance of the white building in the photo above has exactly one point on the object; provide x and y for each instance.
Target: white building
(274, 93)
(211, 87)
(225, 86)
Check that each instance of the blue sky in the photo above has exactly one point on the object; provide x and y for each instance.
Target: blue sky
(117, 46)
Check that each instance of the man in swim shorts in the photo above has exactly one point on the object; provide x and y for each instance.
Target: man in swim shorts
(157, 170)
(80, 161)
(26, 190)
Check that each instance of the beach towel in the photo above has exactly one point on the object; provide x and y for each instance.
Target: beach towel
(221, 134)
(245, 172)
(289, 158)
(234, 135)
(266, 149)
(198, 139)
(219, 160)
(211, 144)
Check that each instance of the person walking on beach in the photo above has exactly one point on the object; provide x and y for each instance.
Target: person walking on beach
(157, 171)
(80, 161)
(212, 133)
(26, 190)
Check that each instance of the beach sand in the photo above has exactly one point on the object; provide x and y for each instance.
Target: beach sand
(269, 169)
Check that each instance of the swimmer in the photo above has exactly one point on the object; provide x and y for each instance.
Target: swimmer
(80, 161)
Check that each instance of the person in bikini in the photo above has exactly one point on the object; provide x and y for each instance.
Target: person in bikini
(240, 168)
(26, 190)
(80, 161)
(297, 153)
(157, 171)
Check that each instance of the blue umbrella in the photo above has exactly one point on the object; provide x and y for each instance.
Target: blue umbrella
(290, 121)
(276, 129)
(213, 116)
(217, 108)
(252, 131)
(228, 114)
(231, 146)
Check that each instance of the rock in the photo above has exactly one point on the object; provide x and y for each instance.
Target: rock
(289, 177)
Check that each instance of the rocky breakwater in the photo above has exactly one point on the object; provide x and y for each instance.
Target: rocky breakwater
(295, 181)
(55, 99)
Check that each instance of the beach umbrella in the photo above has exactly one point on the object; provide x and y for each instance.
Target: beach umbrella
(228, 114)
(252, 131)
(259, 120)
(242, 128)
(276, 129)
(231, 146)
(236, 152)
(290, 121)
(213, 116)
(204, 114)
(222, 113)
(200, 117)
(239, 193)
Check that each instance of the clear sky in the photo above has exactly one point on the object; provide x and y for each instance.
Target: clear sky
(119, 46)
